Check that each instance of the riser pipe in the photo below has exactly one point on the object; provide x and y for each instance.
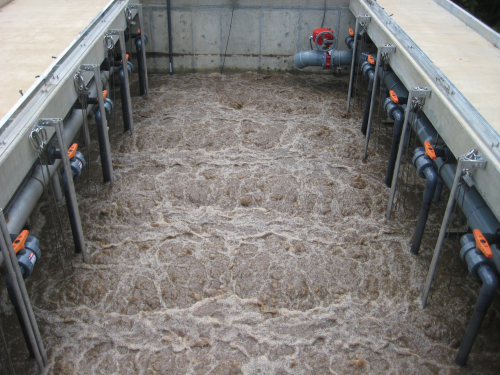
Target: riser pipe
(21, 208)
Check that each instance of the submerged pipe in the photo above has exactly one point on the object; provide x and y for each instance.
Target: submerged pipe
(425, 168)
(17, 309)
(369, 72)
(127, 120)
(21, 208)
(170, 47)
(480, 268)
(141, 66)
(107, 169)
(395, 112)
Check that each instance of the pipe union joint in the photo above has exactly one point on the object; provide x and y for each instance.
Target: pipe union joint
(471, 255)
(130, 67)
(421, 161)
(390, 107)
(365, 67)
(349, 41)
(29, 256)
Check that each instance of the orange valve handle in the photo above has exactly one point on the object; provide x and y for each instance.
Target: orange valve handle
(127, 56)
(104, 94)
(393, 96)
(429, 150)
(19, 242)
(482, 244)
(351, 32)
(371, 60)
(72, 151)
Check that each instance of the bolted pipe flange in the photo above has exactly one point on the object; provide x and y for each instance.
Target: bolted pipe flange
(421, 161)
(471, 255)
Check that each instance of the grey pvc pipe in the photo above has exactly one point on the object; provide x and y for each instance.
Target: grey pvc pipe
(102, 131)
(22, 294)
(170, 45)
(310, 58)
(370, 75)
(126, 105)
(21, 208)
(141, 66)
(339, 57)
(439, 189)
(372, 104)
(351, 76)
(426, 168)
(399, 118)
(442, 233)
(57, 187)
(484, 301)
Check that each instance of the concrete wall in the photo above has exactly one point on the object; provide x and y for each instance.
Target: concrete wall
(265, 34)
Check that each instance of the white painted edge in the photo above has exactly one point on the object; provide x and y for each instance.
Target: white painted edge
(481, 28)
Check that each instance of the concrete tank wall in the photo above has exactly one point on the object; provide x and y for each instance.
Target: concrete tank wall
(265, 34)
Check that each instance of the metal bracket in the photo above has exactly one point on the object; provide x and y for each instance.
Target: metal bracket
(88, 67)
(74, 213)
(467, 162)
(107, 166)
(418, 92)
(128, 13)
(417, 95)
(470, 163)
(360, 20)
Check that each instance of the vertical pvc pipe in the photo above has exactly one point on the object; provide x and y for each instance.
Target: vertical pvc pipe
(143, 45)
(57, 187)
(22, 294)
(442, 234)
(102, 132)
(74, 213)
(372, 104)
(398, 161)
(351, 77)
(127, 104)
(484, 301)
(170, 46)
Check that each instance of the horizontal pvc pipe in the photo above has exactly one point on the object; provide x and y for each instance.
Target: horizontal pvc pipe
(310, 58)
(25, 202)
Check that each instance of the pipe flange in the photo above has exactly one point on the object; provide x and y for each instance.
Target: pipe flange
(471, 255)
(349, 41)
(390, 107)
(366, 67)
(421, 161)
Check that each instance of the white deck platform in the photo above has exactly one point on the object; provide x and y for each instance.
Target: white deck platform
(470, 61)
(458, 62)
(31, 32)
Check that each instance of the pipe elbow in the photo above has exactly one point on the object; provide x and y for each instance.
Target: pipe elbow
(349, 41)
(431, 177)
(310, 58)
(489, 279)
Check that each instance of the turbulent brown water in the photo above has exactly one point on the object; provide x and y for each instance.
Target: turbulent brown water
(244, 234)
